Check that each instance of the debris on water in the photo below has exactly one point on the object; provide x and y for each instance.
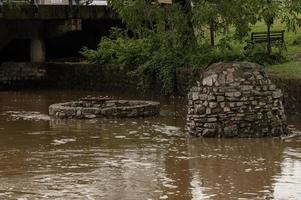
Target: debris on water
(163, 197)
(38, 133)
(63, 141)
(185, 157)
(27, 115)
(133, 132)
(95, 137)
(166, 113)
(120, 136)
(248, 170)
(168, 130)
(294, 133)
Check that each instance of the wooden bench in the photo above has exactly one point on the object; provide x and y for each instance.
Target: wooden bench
(262, 37)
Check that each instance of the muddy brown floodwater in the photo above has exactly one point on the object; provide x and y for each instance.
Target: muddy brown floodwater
(133, 159)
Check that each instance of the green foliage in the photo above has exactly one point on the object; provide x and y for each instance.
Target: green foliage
(18, 6)
(257, 53)
(297, 41)
(161, 66)
(118, 49)
(240, 14)
(160, 38)
(92, 56)
(287, 12)
(227, 51)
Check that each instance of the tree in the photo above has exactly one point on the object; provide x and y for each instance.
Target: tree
(218, 15)
(285, 11)
(148, 19)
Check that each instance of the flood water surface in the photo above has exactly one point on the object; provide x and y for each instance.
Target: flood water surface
(133, 159)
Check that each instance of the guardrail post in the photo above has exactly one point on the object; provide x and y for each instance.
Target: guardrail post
(70, 8)
(35, 6)
(77, 9)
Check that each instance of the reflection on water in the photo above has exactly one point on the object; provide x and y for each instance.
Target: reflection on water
(151, 158)
(287, 183)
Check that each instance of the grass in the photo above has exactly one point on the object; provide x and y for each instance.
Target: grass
(290, 70)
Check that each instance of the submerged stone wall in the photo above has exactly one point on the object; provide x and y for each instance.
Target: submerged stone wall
(19, 75)
(235, 100)
(105, 109)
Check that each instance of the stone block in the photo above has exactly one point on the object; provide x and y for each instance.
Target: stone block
(220, 98)
(212, 104)
(211, 119)
(195, 96)
(230, 131)
(210, 80)
(209, 132)
(227, 109)
(277, 94)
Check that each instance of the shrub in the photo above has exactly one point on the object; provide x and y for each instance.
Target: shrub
(161, 67)
(122, 50)
(257, 53)
(227, 51)
(297, 41)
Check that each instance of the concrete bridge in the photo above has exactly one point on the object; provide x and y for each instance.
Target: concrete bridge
(38, 20)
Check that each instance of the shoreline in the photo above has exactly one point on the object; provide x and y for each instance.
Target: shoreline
(84, 76)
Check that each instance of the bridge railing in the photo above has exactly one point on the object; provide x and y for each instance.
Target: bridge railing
(56, 2)
(97, 3)
(6, 2)
(37, 3)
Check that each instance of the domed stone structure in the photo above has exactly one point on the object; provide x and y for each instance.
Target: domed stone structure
(235, 100)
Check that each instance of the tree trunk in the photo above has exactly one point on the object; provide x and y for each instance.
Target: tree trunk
(226, 28)
(269, 22)
(269, 48)
(212, 34)
(187, 9)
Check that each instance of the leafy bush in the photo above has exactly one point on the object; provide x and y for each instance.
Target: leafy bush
(297, 41)
(154, 59)
(124, 51)
(227, 51)
(257, 53)
(161, 66)
(92, 56)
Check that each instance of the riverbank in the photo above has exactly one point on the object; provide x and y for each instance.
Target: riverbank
(83, 76)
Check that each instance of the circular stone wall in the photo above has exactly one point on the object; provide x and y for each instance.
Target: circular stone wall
(235, 100)
(104, 109)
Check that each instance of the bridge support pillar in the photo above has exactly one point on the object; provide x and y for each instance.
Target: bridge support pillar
(37, 50)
